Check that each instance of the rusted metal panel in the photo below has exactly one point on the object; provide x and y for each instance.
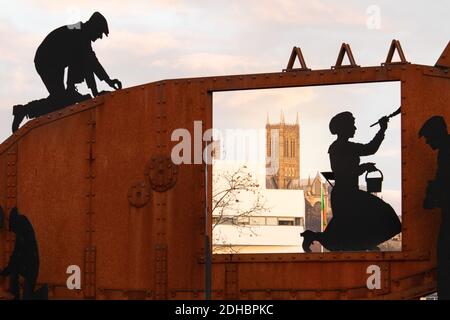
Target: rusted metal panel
(52, 189)
(124, 235)
(231, 281)
(4, 256)
(87, 158)
(185, 103)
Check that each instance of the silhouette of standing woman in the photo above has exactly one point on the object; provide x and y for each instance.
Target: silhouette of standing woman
(438, 196)
(361, 221)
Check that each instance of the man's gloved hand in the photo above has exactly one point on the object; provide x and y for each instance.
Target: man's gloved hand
(114, 83)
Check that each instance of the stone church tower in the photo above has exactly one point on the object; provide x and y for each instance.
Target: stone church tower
(282, 155)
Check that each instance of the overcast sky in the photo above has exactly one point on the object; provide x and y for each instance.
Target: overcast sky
(153, 40)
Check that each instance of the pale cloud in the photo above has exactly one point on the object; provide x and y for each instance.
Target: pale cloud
(311, 13)
(140, 44)
(204, 62)
(284, 99)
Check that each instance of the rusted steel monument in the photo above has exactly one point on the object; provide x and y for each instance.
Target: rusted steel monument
(97, 181)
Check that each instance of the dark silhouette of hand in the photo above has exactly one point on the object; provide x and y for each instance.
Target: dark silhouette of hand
(115, 84)
(370, 167)
(383, 122)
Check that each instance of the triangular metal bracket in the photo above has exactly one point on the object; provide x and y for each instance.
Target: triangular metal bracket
(395, 45)
(345, 48)
(296, 53)
(444, 59)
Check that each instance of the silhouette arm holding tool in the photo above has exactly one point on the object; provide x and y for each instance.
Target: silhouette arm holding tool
(373, 146)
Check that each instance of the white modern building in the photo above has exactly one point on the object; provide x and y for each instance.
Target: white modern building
(274, 228)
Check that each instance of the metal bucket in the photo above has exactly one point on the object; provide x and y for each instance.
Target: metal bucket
(374, 184)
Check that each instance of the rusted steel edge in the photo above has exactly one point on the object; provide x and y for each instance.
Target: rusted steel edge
(49, 118)
(436, 72)
(319, 257)
(273, 75)
(346, 290)
(410, 293)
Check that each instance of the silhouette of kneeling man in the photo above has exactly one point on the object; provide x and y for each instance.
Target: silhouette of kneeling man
(361, 221)
(437, 195)
(68, 46)
(24, 260)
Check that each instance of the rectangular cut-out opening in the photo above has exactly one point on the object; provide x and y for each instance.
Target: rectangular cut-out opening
(272, 161)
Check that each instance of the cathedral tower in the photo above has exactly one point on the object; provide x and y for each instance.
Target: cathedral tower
(282, 155)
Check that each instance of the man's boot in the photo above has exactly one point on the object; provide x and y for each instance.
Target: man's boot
(19, 112)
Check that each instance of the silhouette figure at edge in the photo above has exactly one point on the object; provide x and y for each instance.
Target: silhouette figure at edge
(24, 260)
(434, 130)
(361, 221)
(67, 46)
